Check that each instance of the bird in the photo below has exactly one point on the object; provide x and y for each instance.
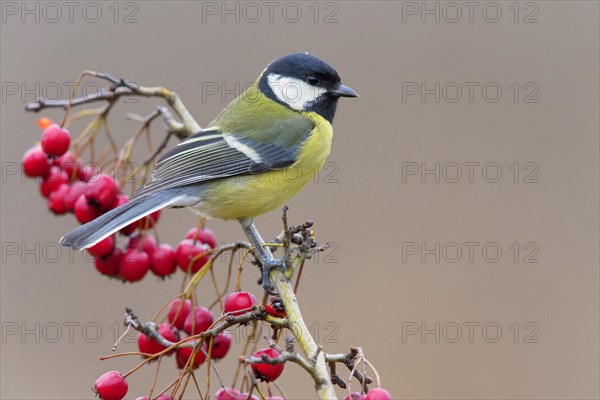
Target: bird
(254, 156)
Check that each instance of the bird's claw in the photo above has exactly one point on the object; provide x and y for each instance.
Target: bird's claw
(267, 265)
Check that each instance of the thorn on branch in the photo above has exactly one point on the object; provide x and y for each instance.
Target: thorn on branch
(285, 218)
(314, 358)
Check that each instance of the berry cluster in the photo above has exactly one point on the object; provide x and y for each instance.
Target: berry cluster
(74, 187)
(194, 320)
(143, 254)
(186, 320)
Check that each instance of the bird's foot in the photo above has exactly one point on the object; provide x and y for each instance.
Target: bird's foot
(267, 265)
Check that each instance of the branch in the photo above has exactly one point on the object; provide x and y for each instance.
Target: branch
(349, 361)
(280, 274)
(120, 88)
(151, 330)
(296, 323)
(283, 284)
(174, 127)
(286, 356)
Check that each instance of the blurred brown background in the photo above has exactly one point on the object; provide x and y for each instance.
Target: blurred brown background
(400, 281)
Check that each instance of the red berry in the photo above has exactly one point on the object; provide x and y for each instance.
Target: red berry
(103, 247)
(271, 310)
(76, 189)
(237, 303)
(56, 200)
(55, 140)
(220, 347)
(84, 212)
(149, 244)
(35, 162)
(120, 199)
(102, 191)
(199, 320)
(226, 394)
(134, 265)
(146, 243)
(150, 346)
(168, 332)
(202, 235)
(164, 397)
(178, 311)
(183, 355)
(244, 396)
(69, 163)
(267, 372)
(378, 394)
(355, 396)
(89, 173)
(111, 386)
(53, 180)
(163, 260)
(149, 221)
(186, 251)
(109, 265)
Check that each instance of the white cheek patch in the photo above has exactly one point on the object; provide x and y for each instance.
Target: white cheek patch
(294, 92)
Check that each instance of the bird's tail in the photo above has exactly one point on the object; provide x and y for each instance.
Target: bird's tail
(138, 207)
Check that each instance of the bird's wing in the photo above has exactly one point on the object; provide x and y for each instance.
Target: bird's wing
(212, 154)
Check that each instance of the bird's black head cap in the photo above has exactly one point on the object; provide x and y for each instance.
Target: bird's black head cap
(314, 85)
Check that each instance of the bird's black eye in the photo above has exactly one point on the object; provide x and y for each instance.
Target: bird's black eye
(311, 79)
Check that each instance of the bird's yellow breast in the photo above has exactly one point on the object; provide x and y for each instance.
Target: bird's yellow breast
(248, 196)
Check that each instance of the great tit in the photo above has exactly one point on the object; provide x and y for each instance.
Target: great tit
(258, 153)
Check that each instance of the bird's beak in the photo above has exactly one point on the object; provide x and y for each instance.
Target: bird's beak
(345, 91)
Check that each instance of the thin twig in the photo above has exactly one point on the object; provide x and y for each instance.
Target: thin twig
(120, 88)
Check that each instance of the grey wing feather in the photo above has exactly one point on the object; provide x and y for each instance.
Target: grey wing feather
(209, 155)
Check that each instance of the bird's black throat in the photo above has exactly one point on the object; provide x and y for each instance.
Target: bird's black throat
(325, 106)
